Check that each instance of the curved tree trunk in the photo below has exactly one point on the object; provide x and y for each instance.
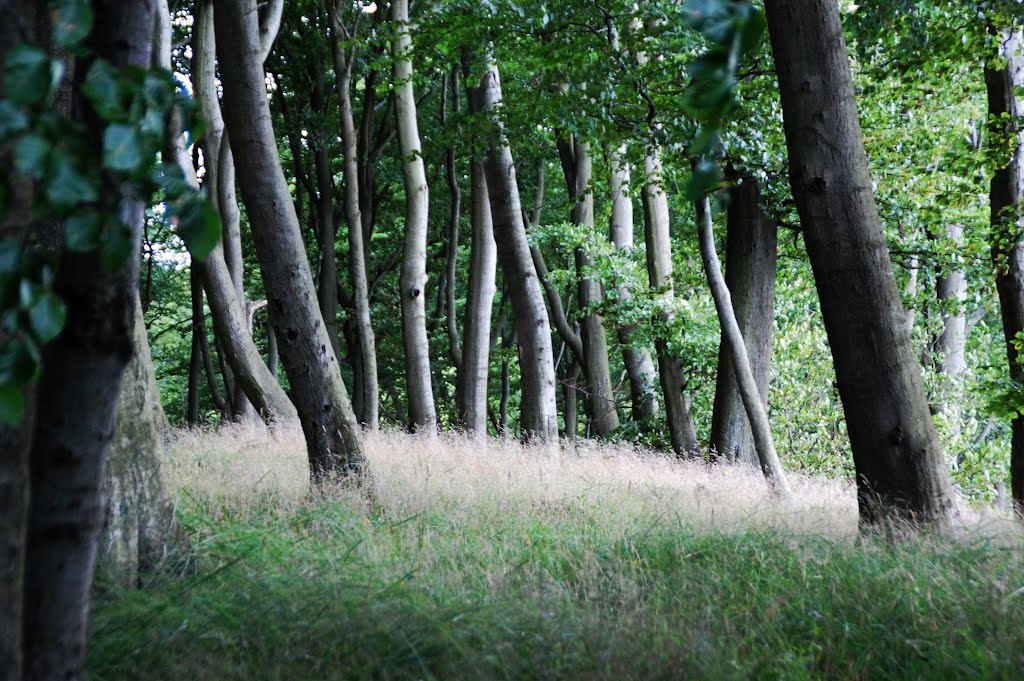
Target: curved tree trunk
(751, 257)
(732, 338)
(681, 430)
(413, 277)
(332, 435)
(369, 393)
(637, 359)
(539, 412)
(899, 461)
(1007, 218)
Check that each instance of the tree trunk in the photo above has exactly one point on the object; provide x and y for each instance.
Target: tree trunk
(195, 364)
(900, 464)
(413, 277)
(539, 411)
(369, 393)
(140, 532)
(732, 338)
(578, 169)
(637, 359)
(332, 435)
(751, 257)
(682, 432)
(1005, 108)
(454, 210)
(76, 402)
(949, 349)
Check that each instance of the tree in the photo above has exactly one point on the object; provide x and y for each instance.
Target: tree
(899, 462)
(320, 397)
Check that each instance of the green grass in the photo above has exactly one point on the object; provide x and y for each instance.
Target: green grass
(286, 588)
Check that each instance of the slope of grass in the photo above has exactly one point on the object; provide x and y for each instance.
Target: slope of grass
(490, 562)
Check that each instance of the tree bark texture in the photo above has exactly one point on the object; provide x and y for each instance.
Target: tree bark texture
(901, 469)
(413, 275)
(751, 259)
(539, 411)
(949, 349)
(332, 434)
(1007, 219)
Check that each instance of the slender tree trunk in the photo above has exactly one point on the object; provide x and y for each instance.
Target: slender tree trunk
(600, 395)
(637, 359)
(950, 347)
(732, 338)
(539, 412)
(682, 432)
(369, 393)
(327, 286)
(195, 365)
(332, 435)
(454, 210)
(900, 464)
(751, 256)
(413, 277)
(1005, 107)
(273, 358)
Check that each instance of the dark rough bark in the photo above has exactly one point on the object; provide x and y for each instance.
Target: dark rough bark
(77, 398)
(332, 434)
(195, 364)
(539, 412)
(1007, 219)
(751, 260)
(900, 464)
(140, 532)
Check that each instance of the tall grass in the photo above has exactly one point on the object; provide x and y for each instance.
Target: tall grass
(494, 562)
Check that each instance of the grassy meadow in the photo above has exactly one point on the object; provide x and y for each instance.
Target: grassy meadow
(489, 561)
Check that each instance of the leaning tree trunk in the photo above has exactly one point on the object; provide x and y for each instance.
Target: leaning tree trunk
(413, 277)
(357, 262)
(332, 434)
(732, 338)
(899, 462)
(1005, 107)
(77, 397)
(751, 258)
(604, 417)
(539, 411)
(637, 359)
(682, 432)
(140, 532)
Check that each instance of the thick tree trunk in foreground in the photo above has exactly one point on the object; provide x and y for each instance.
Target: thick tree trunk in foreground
(539, 411)
(332, 435)
(413, 277)
(578, 168)
(1007, 219)
(76, 405)
(732, 338)
(751, 258)
(140, 532)
(369, 385)
(682, 432)
(637, 359)
(901, 470)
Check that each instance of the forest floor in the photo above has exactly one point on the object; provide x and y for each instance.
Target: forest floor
(495, 562)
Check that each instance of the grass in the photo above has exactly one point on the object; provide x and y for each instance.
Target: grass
(494, 562)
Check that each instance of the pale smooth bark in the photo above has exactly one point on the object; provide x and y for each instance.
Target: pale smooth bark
(332, 434)
(413, 275)
(682, 432)
(751, 258)
(949, 349)
(454, 210)
(732, 338)
(539, 412)
(1007, 218)
(900, 464)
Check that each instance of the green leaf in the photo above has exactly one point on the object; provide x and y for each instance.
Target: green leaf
(199, 226)
(27, 75)
(19, 361)
(104, 92)
(10, 256)
(12, 119)
(67, 186)
(12, 404)
(30, 152)
(705, 178)
(72, 21)
(82, 231)
(171, 179)
(123, 147)
(116, 245)
(47, 316)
